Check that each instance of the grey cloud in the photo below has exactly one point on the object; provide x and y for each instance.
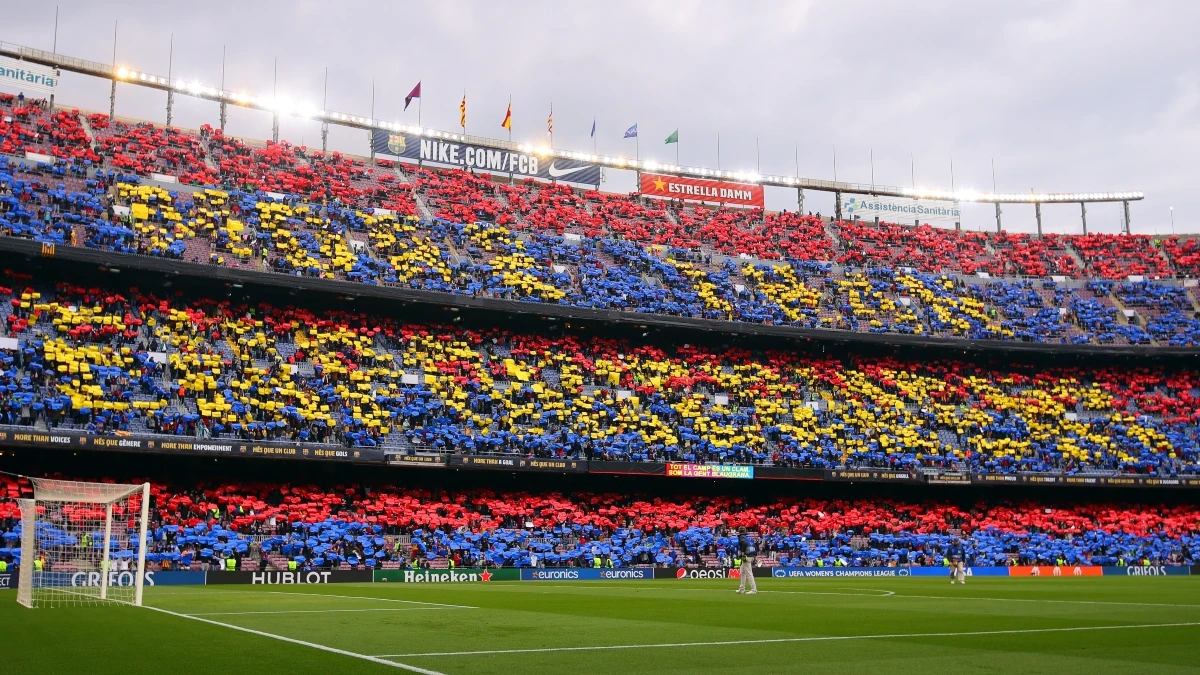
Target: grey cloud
(1083, 95)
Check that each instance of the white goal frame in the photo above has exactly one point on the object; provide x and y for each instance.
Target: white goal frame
(54, 503)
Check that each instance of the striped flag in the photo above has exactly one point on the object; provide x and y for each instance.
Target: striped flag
(507, 123)
(550, 121)
(462, 112)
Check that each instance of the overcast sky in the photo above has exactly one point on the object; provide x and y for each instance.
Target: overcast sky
(1090, 95)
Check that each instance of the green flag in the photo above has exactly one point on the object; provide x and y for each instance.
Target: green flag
(673, 138)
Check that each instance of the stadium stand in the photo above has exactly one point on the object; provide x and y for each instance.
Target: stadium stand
(264, 526)
(280, 208)
(108, 361)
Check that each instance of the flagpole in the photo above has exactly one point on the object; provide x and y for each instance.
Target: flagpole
(718, 151)
(508, 114)
(420, 100)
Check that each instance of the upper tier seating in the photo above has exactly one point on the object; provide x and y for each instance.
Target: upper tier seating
(482, 251)
(295, 211)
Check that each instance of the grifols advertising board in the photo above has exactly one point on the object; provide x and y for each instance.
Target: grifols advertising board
(701, 190)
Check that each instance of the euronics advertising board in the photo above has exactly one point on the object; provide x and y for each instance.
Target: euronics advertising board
(473, 157)
(586, 574)
(25, 77)
(899, 209)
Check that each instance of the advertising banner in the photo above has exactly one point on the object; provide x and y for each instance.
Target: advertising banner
(834, 572)
(275, 578)
(953, 478)
(1055, 571)
(871, 475)
(481, 158)
(945, 571)
(586, 574)
(7, 581)
(65, 438)
(680, 470)
(459, 576)
(702, 190)
(696, 573)
(433, 461)
(788, 473)
(23, 76)
(115, 579)
(1084, 481)
(1148, 571)
(628, 468)
(894, 209)
(511, 463)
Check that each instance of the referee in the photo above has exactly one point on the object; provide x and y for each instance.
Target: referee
(748, 550)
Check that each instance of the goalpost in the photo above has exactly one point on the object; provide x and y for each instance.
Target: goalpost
(82, 544)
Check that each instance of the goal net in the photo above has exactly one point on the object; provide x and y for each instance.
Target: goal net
(82, 543)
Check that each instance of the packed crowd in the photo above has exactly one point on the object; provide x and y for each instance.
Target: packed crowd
(281, 208)
(107, 361)
(355, 527)
(109, 210)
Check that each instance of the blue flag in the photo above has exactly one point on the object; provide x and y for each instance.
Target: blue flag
(631, 132)
(593, 134)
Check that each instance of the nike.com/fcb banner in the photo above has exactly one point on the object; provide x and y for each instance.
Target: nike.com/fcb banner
(479, 158)
(702, 190)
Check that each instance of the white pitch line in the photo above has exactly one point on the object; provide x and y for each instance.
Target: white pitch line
(1072, 602)
(824, 638)
(302, 643)
(326, 611)
(874, 593)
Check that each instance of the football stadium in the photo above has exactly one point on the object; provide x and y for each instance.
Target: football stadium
(288, 387)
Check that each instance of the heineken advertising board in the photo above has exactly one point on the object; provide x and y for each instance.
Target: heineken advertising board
(459, 576)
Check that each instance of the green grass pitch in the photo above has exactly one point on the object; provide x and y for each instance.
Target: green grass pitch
(1065, 625)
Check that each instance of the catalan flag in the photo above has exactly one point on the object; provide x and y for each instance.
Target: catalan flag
(507, 123)
(462, 112)
(550, 121)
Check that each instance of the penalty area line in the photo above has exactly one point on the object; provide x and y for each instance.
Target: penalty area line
(302, 643)
(326, 611)
(823, 638)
